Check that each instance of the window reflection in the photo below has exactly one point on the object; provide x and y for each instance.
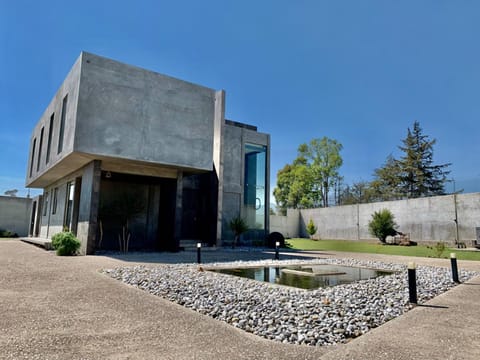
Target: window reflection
(255, 184)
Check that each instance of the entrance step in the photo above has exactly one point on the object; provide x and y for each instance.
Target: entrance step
(188, 244)
(45, 243)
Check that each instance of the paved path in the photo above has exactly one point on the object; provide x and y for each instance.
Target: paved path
(63, 308)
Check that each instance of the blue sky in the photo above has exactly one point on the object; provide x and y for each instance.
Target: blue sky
(360, 72)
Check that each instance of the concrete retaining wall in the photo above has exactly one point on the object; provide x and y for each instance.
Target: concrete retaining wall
(426, 219)
(287, 225)
(15, 214)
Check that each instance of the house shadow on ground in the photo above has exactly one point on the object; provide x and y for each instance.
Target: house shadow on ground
(207, 256)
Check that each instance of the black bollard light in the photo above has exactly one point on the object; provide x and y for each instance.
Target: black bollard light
(453, 262)
(412, 283)
(199, 253)
(277, 255)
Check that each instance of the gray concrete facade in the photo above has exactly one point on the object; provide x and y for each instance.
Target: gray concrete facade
(146, 131)
(448, 218)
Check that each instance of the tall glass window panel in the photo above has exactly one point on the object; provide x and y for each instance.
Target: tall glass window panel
(69, 205)
(254, 186)
(62, 124)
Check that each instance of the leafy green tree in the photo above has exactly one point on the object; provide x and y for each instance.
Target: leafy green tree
(324, 161)
(357, 193)
(307, 182)
(419, 176)
(382, 225)
(293, 187)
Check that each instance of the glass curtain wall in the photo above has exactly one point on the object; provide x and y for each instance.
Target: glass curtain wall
(254, 190)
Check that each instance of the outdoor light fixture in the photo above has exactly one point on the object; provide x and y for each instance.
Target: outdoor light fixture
(453, 262)
(277, 255)
(412, 282)
(199, 253)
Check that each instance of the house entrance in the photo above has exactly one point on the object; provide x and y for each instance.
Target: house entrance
(136, 213)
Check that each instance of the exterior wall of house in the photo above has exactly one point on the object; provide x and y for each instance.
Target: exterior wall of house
(54, 205)
(15, 214)
(45, 163)
(236, 137)
(131, 113)
(130, 122)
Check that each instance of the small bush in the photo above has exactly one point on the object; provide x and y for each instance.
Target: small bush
(7, 234)
(311, 228)
(238, 226)
(439, 248)
(382, 225)
(65, 243)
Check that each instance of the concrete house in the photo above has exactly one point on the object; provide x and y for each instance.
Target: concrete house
(120, 148)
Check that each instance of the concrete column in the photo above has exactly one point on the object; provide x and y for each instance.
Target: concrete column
(178, 209)
(88, 207)
(218, 135)
(267, 190)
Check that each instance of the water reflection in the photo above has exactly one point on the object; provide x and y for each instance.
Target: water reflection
(306, 276)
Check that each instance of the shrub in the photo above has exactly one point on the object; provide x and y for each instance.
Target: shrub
(439, 248)
(311, 228)
(65, 243)
(7, 234)
(382, 225)
(238, 225)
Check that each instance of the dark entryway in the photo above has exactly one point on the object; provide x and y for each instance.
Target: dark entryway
(138, 211)
(199, 208)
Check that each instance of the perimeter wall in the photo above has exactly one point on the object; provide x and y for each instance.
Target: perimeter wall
(428, 219)
(15, 214)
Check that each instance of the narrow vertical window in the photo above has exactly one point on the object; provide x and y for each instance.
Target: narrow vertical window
(45, 203)
(33, 156)
(69, 205)
(62, 124)
(40, 149)
(49, 141)
(54, 200)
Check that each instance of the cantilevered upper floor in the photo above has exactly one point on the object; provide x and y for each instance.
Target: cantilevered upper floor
(134, 120)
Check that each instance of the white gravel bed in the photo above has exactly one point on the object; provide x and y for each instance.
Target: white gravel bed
(324, 316)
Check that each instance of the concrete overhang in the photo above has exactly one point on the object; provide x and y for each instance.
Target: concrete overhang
(77, 160)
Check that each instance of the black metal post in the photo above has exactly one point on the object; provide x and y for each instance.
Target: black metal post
(412, 283)
(453, 262)
(277, 255)
(199, 253)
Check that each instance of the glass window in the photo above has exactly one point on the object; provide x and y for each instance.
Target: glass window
(54, 201)
(40, 149)
(33, 156)
(45, 203)
(62, 124)
(255, 184)
(69, 205)
(49, 141)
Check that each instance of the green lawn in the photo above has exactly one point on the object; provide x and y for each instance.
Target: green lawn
(373, 248)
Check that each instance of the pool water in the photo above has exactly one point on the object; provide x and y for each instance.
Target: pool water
(305, 276)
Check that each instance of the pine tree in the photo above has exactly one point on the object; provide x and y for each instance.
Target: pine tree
(418, 175)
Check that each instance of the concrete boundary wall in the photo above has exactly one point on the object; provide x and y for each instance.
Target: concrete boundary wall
(15, 214)
(428, 219)
(288, 225)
